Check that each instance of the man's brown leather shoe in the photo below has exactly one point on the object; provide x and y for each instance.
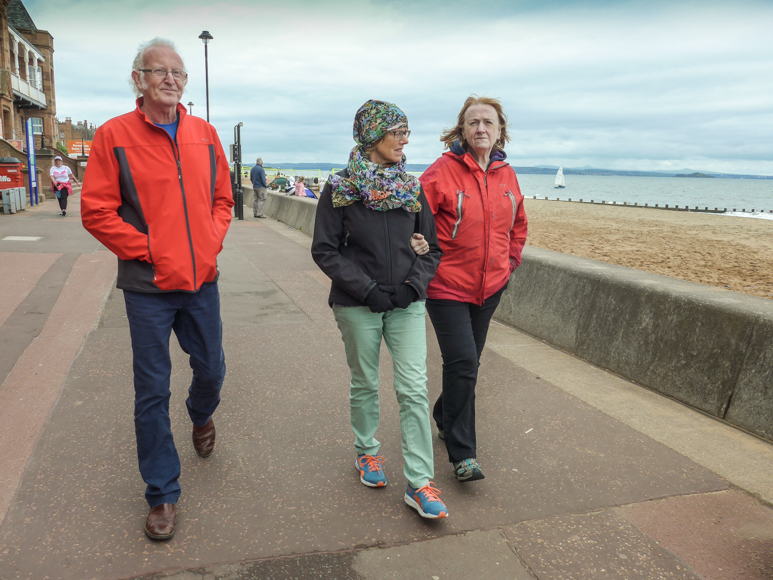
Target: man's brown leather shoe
(161, 521)
(204, 439)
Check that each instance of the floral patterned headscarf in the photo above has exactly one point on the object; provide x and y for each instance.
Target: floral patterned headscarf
(379, 187)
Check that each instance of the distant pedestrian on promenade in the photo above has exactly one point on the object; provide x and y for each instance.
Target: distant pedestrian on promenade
(365, 220)
(157, 194)
(60, 182)
(259, 185)
(481, 227)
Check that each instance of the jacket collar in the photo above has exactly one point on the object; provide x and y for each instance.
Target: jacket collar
(181, 111)
(497, 156)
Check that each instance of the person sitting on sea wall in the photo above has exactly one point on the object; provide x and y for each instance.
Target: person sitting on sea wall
(290, 185)
(300, 187)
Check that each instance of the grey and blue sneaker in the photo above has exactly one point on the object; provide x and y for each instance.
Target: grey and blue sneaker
(425, 500)
(370, 470)
(441, 435)
(468, 470)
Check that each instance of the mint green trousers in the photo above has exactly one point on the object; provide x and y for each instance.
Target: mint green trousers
(403, 331)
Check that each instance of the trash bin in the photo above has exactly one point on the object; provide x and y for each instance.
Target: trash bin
(12, 185)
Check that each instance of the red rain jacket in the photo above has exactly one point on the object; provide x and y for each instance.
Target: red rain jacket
(481, 225)
(162, 206)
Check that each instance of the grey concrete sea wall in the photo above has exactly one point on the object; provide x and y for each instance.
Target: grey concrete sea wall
(297, 212)
(709, 348)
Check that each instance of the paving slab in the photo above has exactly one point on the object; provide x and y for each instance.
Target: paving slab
(19, 273)
(598, 546)
(483, 554)
(722, 536)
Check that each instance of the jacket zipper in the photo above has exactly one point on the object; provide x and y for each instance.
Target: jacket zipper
(176, 153)
(388, 248)
(459, 211)
(515, 206)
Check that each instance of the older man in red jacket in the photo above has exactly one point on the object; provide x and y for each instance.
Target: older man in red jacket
(157, 194)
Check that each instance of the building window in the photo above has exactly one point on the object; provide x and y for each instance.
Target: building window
(37, 126)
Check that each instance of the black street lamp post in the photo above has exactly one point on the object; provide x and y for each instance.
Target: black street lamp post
(205, 38)
(239, 201)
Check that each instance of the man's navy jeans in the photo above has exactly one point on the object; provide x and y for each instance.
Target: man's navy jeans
(195, 319)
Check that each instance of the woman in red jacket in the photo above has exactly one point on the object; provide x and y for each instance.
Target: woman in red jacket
(481, 228)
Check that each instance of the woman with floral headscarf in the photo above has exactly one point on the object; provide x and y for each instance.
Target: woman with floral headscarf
(366, 218)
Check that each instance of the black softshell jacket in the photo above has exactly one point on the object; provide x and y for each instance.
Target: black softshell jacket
(359, 248)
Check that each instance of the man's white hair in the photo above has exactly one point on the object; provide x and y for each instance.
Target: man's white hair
(139, 60)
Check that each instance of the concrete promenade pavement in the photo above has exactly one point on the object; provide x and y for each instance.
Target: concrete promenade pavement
(587, 475)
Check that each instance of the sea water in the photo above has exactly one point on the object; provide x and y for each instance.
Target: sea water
(738, 196)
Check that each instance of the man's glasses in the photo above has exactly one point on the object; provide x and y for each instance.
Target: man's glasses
(400, 135)
(160, 73)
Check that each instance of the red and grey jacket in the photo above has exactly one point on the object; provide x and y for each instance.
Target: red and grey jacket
(481, 224)
(162, 206)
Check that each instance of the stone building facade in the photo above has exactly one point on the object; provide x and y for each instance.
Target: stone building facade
(26, 76)
(69, 131)
(27, 90)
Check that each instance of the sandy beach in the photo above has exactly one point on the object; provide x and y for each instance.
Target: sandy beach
(728, 252)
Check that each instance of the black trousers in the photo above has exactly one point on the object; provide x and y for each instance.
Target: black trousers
(461, 329)
(62, 199)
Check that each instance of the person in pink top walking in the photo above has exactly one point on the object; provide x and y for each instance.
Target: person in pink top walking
(60, 182)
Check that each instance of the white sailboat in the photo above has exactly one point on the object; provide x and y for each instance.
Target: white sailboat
(560, 183)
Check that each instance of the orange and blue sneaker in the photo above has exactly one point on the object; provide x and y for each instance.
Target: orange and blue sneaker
(370, 470)
(425, 500)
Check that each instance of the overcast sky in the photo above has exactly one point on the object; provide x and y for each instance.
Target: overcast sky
(648, 85)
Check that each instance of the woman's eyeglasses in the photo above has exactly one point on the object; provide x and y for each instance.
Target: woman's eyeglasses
(400, 135)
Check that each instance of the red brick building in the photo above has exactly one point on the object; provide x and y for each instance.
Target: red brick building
(26, 76)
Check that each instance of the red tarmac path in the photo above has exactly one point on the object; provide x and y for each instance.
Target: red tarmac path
(577, 486)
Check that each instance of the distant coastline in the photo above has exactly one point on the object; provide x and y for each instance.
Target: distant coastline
(541, 170)
(696, 175)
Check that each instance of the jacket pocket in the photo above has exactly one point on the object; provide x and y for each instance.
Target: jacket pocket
(150, 256)
(460, 195)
